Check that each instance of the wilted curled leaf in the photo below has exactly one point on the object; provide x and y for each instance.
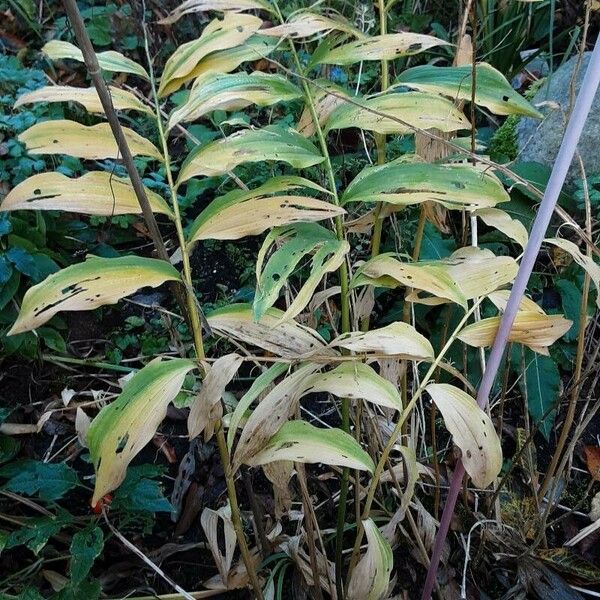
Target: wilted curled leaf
(586, 262)
(240, 213)
(530, 328)
(87, 97)
(325, 103)
(97, 141)
(196, 6)
(95, 193)
(287, 339)
(397, 338)
(299, 441)
(379, 47)
(213, 387)
(108, 61)
(306, 23)
(294, 243)
(125, 426)
(210, 524)
(271, 143)
(472, 431)
(232, 31)
(405, 114)
(371, 577)
(502, 221)
(87, 285)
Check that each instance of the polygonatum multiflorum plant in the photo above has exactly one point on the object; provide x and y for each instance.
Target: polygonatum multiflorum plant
(307, 262)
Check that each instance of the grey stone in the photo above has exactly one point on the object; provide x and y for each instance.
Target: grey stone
(540, 141)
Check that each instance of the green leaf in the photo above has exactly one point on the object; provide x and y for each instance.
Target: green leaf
(271, 143)
(240, 213)
(140, 491)
(86, 546)
(492, 90)
(232, 31)
(301, 442)
(49, 481)
(89, 589)
(220, 91)
(87, 285)
(541, 385)
(37, 531)
(108, 61)
(401, 183)
(125, 426)
(406, 111)
(23, 261)
(9, 447)
(293, 244)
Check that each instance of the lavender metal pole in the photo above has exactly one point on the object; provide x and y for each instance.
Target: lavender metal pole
(538, 231)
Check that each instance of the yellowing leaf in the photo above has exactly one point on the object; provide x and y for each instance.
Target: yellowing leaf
(210, 524)
(213, 387)
(95, 193)
(403, 184)
(254, 48)
(301, 442)
(405, 112)
(125, 426)
(492, 90)
(196, 6)
(271, 143)
(397, 338)
(241, 213)
(472, 431)
(72, 138)
(586, 262)
(325, 103)
(232, 31)
(355, 381)
(294, 243)
(222, 91)
(535, 330)
(87, 97)
(87, 285)
(108, 61)
(379, 47)
(370, 579)
(306, 23)
(500, 300)
(502, 221)
(287, 339)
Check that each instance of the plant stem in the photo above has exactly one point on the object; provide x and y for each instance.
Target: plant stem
(194, 314)
(398, 429)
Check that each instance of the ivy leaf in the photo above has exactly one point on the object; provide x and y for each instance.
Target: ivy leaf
(86, 546)
(49, 481)
(542, 386)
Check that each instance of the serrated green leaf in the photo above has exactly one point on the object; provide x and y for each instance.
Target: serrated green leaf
(86, 546)
(48, 481)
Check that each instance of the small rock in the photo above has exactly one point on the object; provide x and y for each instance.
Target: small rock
(540, 141)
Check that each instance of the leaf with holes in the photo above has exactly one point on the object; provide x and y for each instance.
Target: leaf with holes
(109, 61)
(233, 30)
(87, 97)
(271, 143)
(286, 339)
(229, 92)
(492, 90)
(472, 431)
(199, 6)
(379, 47)
(241, 213)
(95, 193)
(401, 183)
(87, 285)
(126, 425)
(398, 113)
(397, 338)
(301, 442)
(530, 328)
(293, 244)
(97, 141)
(370, 579)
